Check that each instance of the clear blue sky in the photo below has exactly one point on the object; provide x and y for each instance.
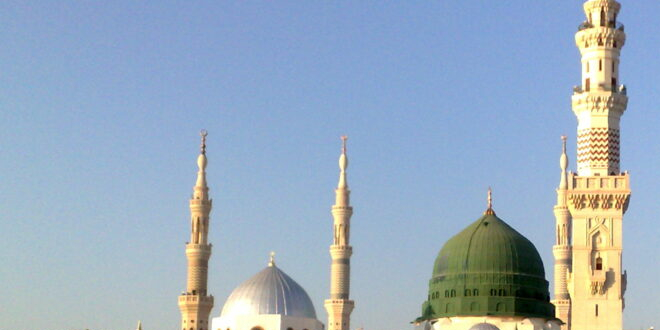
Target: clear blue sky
(101, 103)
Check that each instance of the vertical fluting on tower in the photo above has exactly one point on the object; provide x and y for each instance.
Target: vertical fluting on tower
(339, 306)
(195, 303)
(562, 248)
(600, 100)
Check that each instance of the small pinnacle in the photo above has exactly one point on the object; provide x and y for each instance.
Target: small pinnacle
(203, 133)
(563, 139)
(271, 261)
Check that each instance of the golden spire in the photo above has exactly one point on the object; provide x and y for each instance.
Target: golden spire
(490, 211)
(271, 260)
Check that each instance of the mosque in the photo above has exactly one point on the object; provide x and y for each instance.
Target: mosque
(488, 276)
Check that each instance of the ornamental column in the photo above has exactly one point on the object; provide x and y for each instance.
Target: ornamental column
(339, 306)
(195, 303)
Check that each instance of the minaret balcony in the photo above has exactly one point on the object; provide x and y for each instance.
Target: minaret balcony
(602, 87)
(599, 37)
(611, 24)
(193, 298)
(611, 182)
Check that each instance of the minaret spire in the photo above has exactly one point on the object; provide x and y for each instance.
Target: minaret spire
(201, 190)
(195, 304)
(339, 306)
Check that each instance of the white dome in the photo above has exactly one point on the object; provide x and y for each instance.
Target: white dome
(270, 291)
(484, 326)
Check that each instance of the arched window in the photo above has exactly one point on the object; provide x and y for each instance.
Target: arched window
(475, 292)
(453, 293)
(446, 293)
(468, 292)
(602, 17)
(502, 292)
(493, 292)
(449, 308)
(599, 263)
(587, 84)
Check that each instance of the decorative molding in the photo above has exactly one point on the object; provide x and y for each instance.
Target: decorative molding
(594, 201)
(599, 103)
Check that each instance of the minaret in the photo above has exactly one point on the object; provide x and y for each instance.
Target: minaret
(601, 101)
(562, 248)
(597, 196)
(195, 304)
(339, 306)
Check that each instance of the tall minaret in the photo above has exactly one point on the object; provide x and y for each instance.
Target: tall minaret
(195, 304)
(562, 248)
(339, 306)
(597, 196)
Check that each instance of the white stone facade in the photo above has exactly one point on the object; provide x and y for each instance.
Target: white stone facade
(589, 278)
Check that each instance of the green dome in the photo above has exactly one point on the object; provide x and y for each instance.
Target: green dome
(488, 269)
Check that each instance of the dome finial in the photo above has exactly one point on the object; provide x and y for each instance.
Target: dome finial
(490, 211)
(271, 261)
(203, 133)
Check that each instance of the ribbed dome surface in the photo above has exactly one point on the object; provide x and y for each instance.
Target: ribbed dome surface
(270, 291)
(484, 326)
(488, 269)
(489, 245)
